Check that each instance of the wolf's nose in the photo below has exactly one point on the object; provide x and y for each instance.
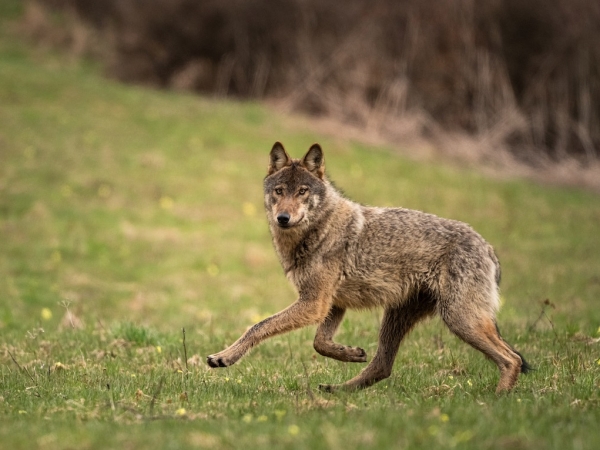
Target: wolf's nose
(283, 218)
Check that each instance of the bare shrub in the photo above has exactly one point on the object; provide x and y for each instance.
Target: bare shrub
(514, 74)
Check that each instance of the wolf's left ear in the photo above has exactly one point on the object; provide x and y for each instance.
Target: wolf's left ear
(314, 162)
(278, 158)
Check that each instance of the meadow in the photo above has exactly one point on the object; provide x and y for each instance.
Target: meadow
(133, 244)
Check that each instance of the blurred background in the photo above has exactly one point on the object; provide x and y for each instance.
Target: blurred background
(134, 138)
(509, 82)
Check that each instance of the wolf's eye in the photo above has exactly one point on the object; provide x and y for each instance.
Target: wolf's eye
(302, 191)
(279, 191)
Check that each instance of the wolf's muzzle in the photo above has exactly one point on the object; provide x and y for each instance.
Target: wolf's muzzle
(283, 219)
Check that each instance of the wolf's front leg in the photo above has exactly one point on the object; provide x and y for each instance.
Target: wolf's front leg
(298, 315)
(324, 344)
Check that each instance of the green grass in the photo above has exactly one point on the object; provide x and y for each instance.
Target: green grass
(127, 214)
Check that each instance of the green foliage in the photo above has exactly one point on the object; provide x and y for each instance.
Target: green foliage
(136, 334)
(128, 214)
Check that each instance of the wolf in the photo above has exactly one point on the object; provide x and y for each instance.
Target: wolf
(342, 255)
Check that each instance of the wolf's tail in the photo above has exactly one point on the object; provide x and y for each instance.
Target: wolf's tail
(525, 367)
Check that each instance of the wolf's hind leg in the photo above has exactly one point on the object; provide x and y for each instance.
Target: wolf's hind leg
(482, 334)
(396, 323)
(324, 344)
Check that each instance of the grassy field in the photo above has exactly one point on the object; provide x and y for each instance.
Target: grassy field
(128, 215)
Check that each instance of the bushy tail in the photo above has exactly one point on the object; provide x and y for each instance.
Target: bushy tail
(525, 367)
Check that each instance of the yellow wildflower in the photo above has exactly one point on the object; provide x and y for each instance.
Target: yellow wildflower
(212, 270)
(46, 314)
(249, 209)
(166, 202)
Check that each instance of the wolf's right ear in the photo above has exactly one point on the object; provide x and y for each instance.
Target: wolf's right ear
(279, 158)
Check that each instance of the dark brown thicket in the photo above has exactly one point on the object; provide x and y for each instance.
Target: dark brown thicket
(526, 72)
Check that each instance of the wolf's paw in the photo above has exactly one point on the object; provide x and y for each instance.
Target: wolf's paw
(340, 352)
(213, 361)
(219, 360)
(349, 354)
(356, 354)
(349, 386)
(330, 388)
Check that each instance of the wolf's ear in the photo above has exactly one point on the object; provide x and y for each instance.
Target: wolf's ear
(314, 162)
(279, 158)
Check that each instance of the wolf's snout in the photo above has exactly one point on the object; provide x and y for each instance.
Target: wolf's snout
(283, 218)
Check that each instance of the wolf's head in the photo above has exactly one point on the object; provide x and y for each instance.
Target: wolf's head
(294, 187)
